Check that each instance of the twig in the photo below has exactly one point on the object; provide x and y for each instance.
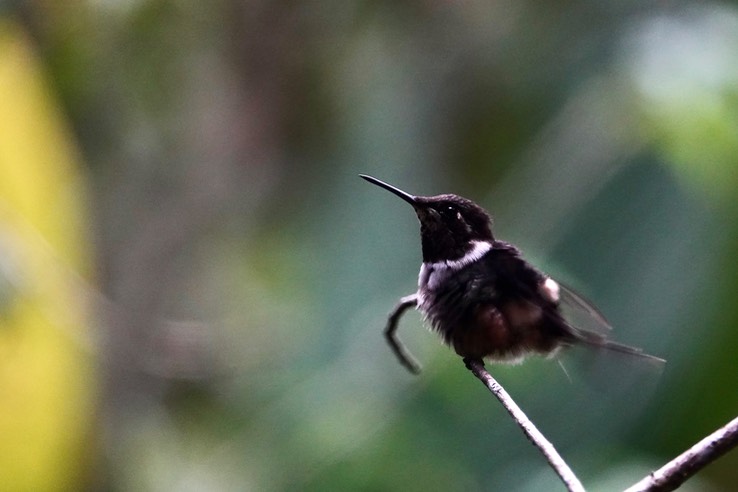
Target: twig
(677, 471)
(405, 358)
(571, 481)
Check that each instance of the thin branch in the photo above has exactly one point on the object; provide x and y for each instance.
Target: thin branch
(571, 481)
(678, 470)
(405, 358)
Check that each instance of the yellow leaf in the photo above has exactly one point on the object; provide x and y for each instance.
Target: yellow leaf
(46, 381)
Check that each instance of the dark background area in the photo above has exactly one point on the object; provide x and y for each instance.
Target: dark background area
(226, 275)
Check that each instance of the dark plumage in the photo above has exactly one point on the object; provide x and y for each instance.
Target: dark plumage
(480, 295)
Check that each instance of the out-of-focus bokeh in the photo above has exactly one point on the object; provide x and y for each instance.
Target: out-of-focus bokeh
(193, 280)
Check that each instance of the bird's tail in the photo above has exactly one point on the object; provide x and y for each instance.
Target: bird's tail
(597, 341)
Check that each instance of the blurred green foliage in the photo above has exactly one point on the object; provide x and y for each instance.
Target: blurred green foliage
(243, 272)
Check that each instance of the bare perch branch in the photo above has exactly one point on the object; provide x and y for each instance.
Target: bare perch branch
(398, 348)
(678, 470)
(571, 481)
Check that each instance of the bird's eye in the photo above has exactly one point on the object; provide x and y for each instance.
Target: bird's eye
(450, 212)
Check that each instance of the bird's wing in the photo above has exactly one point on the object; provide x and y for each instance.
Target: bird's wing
(580, 312)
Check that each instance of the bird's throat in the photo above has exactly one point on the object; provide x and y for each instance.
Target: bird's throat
(433, 273)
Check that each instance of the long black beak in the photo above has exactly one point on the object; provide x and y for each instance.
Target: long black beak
(411, 199)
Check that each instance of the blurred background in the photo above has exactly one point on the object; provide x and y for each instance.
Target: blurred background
(193, 279)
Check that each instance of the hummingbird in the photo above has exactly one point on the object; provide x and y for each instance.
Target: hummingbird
(479, 293)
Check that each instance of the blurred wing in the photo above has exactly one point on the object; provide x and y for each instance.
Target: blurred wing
(581, 313)
(590, 327)
(577, 311)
